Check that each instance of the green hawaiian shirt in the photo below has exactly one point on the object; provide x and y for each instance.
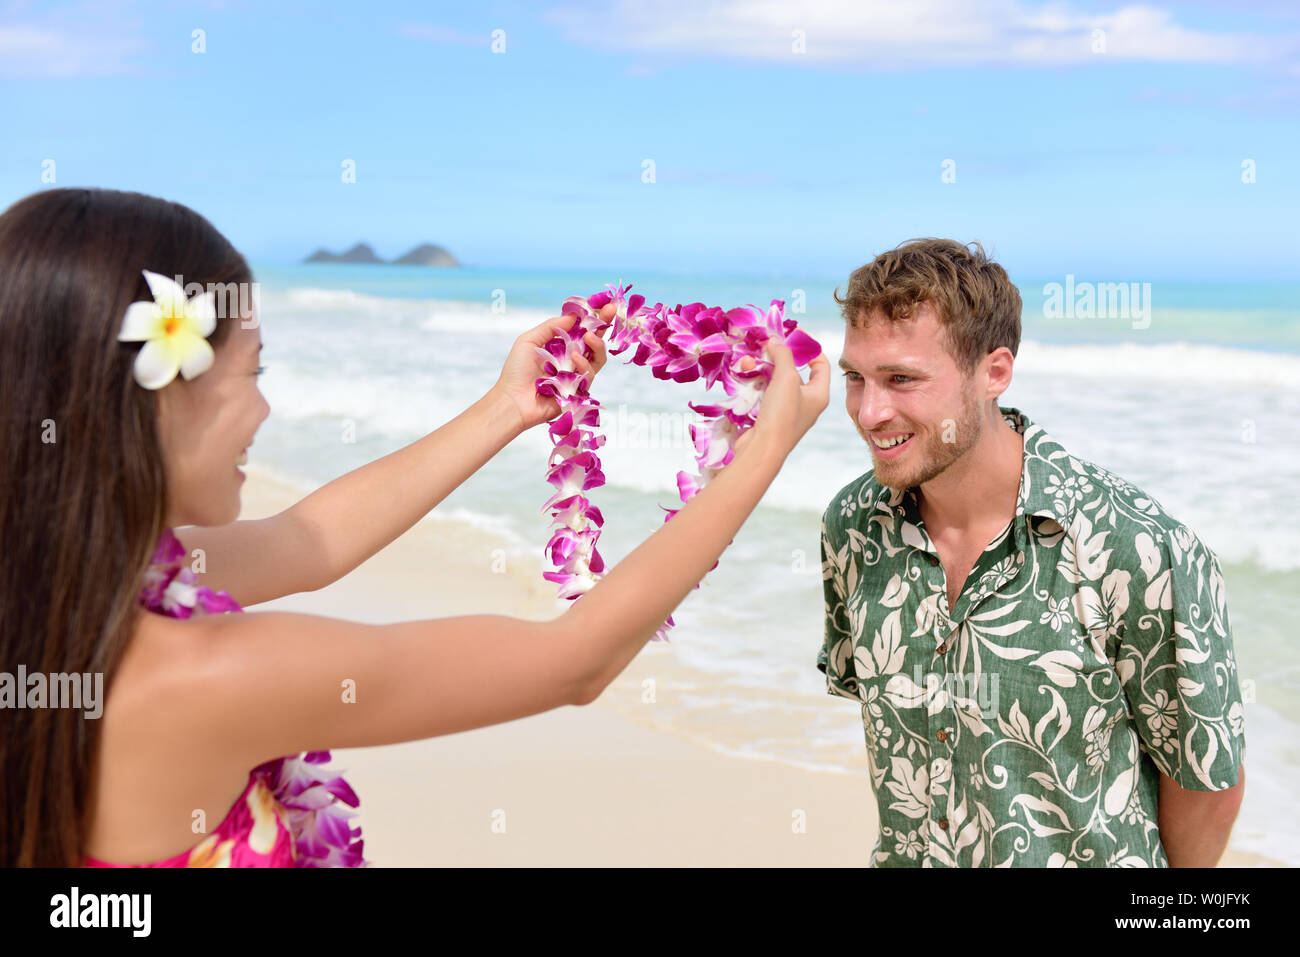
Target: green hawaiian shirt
(1088, 653)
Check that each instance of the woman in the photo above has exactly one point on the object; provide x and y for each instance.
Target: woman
(107, 448)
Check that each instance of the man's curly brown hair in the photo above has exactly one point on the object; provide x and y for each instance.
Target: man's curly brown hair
(977, 303)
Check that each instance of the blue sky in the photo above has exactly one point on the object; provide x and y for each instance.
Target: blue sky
(1118, 163)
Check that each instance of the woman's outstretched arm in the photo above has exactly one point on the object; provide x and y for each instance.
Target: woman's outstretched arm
(333, 530)
(278, 683)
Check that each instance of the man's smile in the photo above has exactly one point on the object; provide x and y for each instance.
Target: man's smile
(891, 444)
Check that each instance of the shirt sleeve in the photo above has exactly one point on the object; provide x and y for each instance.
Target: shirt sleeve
(1175, 663)
(836, 656)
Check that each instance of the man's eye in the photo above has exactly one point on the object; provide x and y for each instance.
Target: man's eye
(852, 376)
(907, 378)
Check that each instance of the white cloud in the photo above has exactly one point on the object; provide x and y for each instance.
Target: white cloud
(75, 41)
(920, 33)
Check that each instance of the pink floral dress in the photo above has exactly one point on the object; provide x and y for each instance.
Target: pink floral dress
(293, 812)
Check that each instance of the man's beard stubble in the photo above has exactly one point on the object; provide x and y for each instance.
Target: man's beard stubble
(930, 459)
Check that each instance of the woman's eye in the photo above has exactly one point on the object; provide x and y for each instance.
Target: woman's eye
(260, 370)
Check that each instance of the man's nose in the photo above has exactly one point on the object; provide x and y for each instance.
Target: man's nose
(876, 407)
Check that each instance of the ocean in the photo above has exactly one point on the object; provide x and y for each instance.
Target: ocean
(1189, 390)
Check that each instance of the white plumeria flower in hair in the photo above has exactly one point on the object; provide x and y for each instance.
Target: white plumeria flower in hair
(173, 330)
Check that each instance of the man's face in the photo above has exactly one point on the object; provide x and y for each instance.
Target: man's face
(901, 381)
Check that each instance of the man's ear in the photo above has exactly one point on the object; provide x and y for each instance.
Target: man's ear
(999, 363)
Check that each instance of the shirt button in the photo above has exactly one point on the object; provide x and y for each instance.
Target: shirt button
(943, 824)
(934, 559)
(942, 735)
(943, 648)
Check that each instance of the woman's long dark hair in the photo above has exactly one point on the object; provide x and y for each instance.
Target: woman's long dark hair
(83, 494)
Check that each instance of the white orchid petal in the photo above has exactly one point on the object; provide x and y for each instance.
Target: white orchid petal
(156, 365)
(195, 353)
(202, 312)
(143, 320)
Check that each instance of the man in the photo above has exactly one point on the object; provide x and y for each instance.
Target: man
(1042, 653)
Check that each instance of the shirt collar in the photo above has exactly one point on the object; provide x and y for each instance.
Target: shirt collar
(1046, 465)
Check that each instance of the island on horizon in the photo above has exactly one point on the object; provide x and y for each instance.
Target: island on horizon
(426, 254)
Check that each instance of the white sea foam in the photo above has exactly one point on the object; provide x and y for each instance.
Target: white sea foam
(396, 408)
(1198, 366)
(434, 315)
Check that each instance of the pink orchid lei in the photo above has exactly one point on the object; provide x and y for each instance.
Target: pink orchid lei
(313, 798)
(682, 344)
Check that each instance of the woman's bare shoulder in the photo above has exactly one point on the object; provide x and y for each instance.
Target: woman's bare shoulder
(178, 677)
(163, 655)
(233, 683)
(157, 694)
(191, 663)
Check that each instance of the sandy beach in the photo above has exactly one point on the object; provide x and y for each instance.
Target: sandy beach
(587, 786)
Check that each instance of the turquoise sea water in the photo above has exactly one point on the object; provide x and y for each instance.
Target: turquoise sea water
(1197, 401)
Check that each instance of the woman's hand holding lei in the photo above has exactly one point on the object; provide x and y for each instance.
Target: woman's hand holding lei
(517, 383)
